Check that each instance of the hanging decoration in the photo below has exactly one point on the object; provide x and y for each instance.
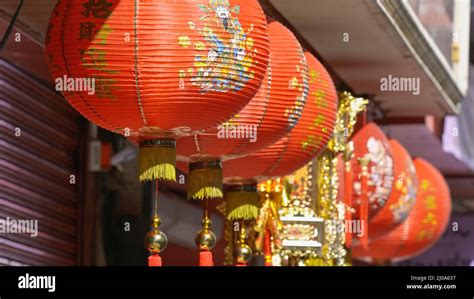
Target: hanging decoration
(423, 227)
(243, 252)
(272, 113)
(206, 240)
(283, 99)
(293, 151)
(155, 242)
(156, 71)
(242, 201)
(403, 195)
(241, 205)
(265, 229)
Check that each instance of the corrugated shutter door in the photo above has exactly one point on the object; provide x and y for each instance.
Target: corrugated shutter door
(35, 171)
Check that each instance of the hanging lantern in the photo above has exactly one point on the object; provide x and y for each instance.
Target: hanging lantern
(372, 174)
(425, 224)
(272, 113)
(403, 195)
(306, 140)
(157, 70)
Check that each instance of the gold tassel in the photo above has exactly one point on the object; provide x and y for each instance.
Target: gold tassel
(158, 160)
(242, 202)
(205, 179)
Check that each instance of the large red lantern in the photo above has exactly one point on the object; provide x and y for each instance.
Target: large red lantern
(403, 195)
(272, 113)
(156, 70)
(425, 224)
(305, 141)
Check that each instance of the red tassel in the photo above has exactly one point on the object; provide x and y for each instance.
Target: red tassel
(348, 181)
(154, 260)
(267, 245)
(205, 258)
(241, 265)
(364, 210)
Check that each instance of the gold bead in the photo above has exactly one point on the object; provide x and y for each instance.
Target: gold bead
(243, 253)
(205, 239)
(156, 222)
(206, 222)
(156, 241)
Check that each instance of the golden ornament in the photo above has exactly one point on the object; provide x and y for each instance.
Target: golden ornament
(243, 253)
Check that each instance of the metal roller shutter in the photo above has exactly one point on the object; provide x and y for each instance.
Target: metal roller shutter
(35, 171)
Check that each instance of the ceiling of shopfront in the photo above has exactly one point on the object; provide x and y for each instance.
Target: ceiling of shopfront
(362, 46)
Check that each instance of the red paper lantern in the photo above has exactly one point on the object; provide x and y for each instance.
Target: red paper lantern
(403, 195)
(305, 141)
(425, 224)
(272, 113)
(371, 144)
(159, 69)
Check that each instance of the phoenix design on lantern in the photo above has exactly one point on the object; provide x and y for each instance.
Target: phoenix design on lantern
(228, 51)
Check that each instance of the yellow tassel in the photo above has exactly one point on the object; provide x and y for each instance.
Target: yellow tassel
(242, 205)
(158, 160)
(205, 180)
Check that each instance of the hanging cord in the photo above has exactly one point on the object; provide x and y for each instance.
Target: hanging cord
(205, 239)
(11, 25)
(156, 199)
(155, 240)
